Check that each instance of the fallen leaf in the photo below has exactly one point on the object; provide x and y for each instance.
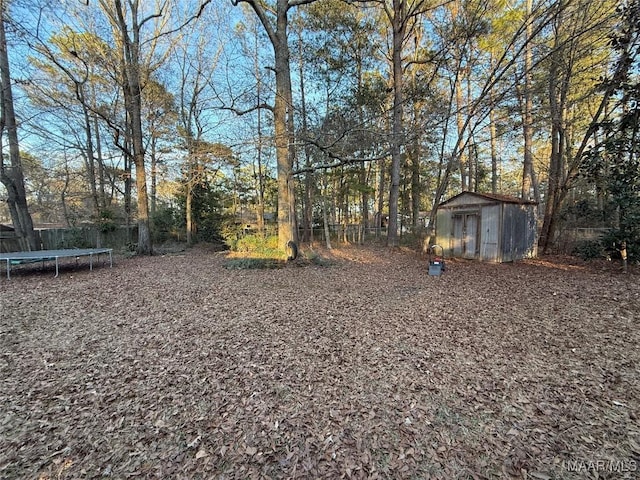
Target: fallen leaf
(540, 475)
(201, 454)
(251, 451)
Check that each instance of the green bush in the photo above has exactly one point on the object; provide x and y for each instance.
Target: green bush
(164, 222)
(589, 250)
(209, 228)
(107, 221)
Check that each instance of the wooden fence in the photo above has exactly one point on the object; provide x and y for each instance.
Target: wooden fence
(120, 238)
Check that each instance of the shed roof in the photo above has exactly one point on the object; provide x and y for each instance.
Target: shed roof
(490, 196)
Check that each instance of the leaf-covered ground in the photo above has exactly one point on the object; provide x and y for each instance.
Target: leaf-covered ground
(176, 367)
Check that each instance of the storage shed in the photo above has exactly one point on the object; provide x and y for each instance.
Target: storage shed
(490, 227)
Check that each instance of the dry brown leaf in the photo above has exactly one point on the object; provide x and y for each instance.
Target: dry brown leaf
(540, 476)
(201, 454)
(251, 451)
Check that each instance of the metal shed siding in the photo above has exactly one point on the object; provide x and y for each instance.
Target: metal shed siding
(489, 238)
(518, 232)
(506, 227)
(444, 231)
(508, 231)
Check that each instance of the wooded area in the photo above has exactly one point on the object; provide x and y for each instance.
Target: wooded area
(211, 117)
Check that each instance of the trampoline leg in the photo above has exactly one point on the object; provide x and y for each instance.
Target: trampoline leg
(110, 259)
(56, 268)
(91, 262)
(8, 269)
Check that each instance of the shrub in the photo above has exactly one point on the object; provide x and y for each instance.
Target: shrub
(164, 222)
(589, 250)
(210, 226)
(107, 221)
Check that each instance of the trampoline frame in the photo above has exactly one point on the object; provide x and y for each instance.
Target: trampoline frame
(17, 258)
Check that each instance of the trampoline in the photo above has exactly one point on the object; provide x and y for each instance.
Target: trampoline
(17, 258)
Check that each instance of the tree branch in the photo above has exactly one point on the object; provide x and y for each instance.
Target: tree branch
(340, 161)
(193, 17)
(239, 112)
(296, 3)
(260, 11)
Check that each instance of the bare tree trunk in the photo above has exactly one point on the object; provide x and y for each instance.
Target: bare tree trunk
(89, 151)
(260, 182)
(260, 187)
(527, 115)
(472, 167)
(63, 193)
(555, 167)
(364, 198)
(12, 176)
(325, 217)
(259, 174)
(154, 176)
(307, 198)
(416, 189)
(144, 233)
(399, 29)
(460, 120)
(345, 207)
(287, 230)
(127, 186)
(493, 134)
(101, 170)
(494, 149)
(129, 37)
(381, 190)
(364, 171)
(189, 209)
(282, 116)
(552, 199)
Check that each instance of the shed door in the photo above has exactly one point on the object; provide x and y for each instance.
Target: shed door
(471, 236)
(465, 235)
(458, 235)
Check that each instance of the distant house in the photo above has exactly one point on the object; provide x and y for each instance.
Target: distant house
(490, 227)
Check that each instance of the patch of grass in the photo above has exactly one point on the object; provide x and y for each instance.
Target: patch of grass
(259, 246)
(256, 252)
